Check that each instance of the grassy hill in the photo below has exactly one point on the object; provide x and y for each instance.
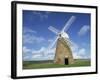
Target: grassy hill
(50, 64)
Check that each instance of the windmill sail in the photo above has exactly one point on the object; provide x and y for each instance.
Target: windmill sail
(51, 45)
(57, 32)
(67, 25)
(53, 30)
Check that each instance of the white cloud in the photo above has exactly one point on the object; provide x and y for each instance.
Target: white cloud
(28, 30)
(26, 57)
(26, 50)
(30, 54)
(42, 16)
(26, 53)
(50, 40)
(41, 50)
(41, 54)
(50, 51)
(36, 56)
(45, 54)
(76, 56)
(74, 46)
(30, 38)
(44, 51)
(48, 54)
(83, 30)
(81, 54)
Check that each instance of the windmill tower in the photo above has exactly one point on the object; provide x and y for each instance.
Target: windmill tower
(63, 53)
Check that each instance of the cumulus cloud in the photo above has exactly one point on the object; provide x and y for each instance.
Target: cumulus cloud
(26, 57)
(42, 16)
(40, 54)
(50, 40)
(51, 50)
(74, 46)
(43, 54)
(79, 52)
(26, 50)
(36, 56)
(30, 38)
(42, 49)
(82, 52)
(83, 30)
(28, 30)
(26, 53)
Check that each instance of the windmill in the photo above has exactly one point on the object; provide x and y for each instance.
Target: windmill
(63, 54)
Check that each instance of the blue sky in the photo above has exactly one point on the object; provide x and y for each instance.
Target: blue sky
(37, 36)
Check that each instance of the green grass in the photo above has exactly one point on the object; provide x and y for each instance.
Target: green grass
(50, 64)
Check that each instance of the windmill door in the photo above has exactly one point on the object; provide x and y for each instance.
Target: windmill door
(66, 61)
